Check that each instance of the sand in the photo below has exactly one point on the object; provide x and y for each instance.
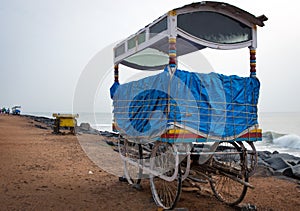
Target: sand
(43, 171)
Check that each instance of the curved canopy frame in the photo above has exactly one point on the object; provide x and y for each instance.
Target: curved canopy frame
(195, 26)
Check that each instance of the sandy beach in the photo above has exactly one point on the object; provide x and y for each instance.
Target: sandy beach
(43, 171)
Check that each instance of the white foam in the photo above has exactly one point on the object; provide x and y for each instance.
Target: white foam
(102, 127)
(288, 141)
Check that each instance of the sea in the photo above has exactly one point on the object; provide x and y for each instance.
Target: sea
(281, 130)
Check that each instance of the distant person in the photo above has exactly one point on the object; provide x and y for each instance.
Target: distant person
(8, 111)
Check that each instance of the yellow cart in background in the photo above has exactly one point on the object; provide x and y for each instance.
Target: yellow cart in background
(65, 121)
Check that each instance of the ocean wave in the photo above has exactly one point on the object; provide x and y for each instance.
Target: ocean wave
(288, 141)
(104, 124)
(269, 136)
(281, 140)
(102, 127)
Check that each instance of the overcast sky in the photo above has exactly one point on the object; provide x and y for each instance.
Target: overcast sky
(47, 45)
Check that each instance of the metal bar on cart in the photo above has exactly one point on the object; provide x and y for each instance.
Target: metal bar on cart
(207, 153)
(150, 171)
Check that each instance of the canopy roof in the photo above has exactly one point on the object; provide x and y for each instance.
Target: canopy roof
(196, 26)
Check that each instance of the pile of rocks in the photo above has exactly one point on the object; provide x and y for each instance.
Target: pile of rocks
(278, 164)
(44, 120)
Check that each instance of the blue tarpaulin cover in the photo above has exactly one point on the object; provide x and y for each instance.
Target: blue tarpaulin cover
(221, 107)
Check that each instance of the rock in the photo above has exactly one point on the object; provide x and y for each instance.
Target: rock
(111, 143)
(87, 129)
(287, 157)
(137, 187)
(248, 207)
(296, 171)
(93, 131)
(282, 163)
(292, 163)
(264, 171)
(48, 121)
(108, 134)
(85, 126)
(288, 172)
(261, 162)
(292, 171)
(122, 179)
(41, 127)
(264, 154)
(277, 163)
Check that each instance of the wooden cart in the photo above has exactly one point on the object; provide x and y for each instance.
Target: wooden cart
(64, 121)
(178, 121)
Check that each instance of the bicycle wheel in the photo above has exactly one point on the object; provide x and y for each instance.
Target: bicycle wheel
(132, 154)
(166, 183)
(229, 173)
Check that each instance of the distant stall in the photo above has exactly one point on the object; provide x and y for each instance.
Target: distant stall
(16, 110)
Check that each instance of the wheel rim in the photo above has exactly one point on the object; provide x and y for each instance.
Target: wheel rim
(165, 193)
(226, 188)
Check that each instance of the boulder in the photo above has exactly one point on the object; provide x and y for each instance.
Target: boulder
(87, 129)
(264, 154)
(296, 171)
(286, 157)
(288, 172)
(277, 163)
(263, 171)
(85, 126)
(261, 162)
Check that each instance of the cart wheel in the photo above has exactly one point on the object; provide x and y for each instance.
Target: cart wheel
(230, 171)
(132, 154)
(166, 184)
